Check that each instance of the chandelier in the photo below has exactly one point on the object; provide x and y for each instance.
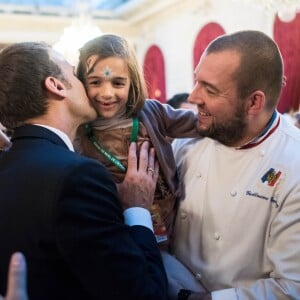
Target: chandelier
(285, 9)
(78, 33)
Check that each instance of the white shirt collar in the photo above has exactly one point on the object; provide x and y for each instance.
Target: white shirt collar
(61, 134)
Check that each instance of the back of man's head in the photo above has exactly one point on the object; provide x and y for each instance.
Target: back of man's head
(23, 69)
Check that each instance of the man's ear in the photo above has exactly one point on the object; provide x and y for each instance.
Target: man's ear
(256, 102)
(55, 86)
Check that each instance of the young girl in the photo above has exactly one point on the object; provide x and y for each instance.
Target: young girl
(114, 83)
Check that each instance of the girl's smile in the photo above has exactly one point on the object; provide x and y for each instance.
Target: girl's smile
(108, 84)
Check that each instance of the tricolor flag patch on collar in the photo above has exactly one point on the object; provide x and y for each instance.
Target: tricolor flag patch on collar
(271, 176)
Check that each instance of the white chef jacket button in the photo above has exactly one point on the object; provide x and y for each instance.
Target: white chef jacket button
(198, 276)
(217, 236)
(199, 175)
(262, 152)
(233, 193)
(183, 215)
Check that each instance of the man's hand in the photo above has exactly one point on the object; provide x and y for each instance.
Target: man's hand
(16, 283)
(137, 189)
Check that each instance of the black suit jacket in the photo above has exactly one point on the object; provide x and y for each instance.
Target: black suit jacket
(62, 211)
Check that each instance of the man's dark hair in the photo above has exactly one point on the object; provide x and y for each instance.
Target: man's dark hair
(23, 70)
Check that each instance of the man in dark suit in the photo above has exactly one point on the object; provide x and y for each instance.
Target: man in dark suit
(60, 209)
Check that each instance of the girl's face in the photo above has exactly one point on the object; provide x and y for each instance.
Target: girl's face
(107, 85)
